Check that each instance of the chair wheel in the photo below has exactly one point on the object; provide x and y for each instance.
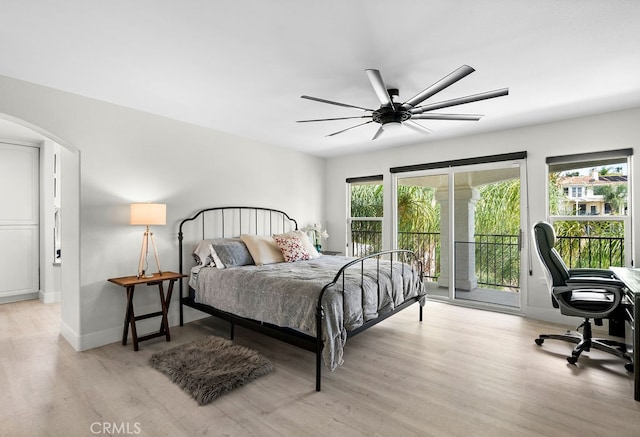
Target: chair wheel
(572, 360)
(629, 367)
(539, 341)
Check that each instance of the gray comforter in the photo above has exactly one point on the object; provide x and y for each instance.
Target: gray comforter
(286, 295)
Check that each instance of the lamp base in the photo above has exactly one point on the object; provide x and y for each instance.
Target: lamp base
(146, 275)
(143, 256)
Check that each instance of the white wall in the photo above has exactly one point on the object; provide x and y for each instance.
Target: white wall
(114, 156)
(70, 286)
(602, 132)
(126, 156)
(49, 273)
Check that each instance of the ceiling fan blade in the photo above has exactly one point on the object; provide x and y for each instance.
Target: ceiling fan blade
(436, 116)
(439, 85)
(378, 133)
(461, 100)
(379, 87)
(335, 103)
(332, 119)
(344, 130)
(417, 127)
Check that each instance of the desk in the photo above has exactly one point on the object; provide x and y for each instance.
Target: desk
(130, 319)
(631, 278)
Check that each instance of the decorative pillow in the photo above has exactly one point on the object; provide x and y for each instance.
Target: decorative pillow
(232, 252)
(292, 249)
(263, 249)
(304, 239)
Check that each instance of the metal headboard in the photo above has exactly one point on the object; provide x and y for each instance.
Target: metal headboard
(230, 221)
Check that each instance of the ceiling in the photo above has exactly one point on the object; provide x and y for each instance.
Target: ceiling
(241, 66)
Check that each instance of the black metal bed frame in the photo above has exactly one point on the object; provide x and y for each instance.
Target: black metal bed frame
(266, 215)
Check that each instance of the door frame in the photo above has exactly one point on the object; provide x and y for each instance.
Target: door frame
(450, 171)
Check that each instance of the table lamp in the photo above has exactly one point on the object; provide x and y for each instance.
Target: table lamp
(147, 214)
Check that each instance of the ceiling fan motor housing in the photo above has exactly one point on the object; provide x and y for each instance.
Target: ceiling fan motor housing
(387, 114)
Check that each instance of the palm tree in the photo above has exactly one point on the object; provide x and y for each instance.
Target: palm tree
(366, 202)
(498, 210)
(417, 209)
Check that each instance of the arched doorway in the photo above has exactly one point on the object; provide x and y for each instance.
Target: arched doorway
(59, 275)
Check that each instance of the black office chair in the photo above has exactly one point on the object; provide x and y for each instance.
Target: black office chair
(587, 293)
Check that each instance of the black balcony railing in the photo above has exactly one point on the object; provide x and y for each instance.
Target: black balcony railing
(497, 260)
(591, 252)
(427, 247)
(497, 256)
(366, 237)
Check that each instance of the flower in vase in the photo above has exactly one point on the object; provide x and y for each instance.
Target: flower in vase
(317, 234)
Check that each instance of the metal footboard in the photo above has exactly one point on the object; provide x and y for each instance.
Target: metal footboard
(408, 260)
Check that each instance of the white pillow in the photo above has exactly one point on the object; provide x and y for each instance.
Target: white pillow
(202, 253)
(304, 239)
(263, 249)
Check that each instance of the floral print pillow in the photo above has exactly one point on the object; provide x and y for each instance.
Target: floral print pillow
(292, 249)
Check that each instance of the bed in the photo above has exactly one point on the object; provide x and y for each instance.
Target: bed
(253, 267)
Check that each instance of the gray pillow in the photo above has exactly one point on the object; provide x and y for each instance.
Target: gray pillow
(233, 252)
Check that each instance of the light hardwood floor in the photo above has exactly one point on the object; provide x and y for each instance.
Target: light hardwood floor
(461, 372)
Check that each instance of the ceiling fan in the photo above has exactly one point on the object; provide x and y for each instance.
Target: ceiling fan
(392, 114)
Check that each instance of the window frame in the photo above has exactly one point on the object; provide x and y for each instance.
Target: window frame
(595, 160)
(350, 182)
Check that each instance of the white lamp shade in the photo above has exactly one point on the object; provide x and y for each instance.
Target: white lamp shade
(148, 214)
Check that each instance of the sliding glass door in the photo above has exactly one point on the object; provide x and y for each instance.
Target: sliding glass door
(465, 223)
(419, 219)
(486, 229)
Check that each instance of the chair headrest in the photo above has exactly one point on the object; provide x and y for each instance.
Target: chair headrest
(547, 231)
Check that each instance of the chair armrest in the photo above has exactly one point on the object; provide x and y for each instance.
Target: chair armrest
(563, 294)
(596, 273)
(593, 282)
(560, 291)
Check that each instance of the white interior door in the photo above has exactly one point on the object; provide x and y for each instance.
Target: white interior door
(19, 222)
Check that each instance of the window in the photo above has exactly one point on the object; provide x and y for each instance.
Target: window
(576, 191)
(589, 208)
(365, 215)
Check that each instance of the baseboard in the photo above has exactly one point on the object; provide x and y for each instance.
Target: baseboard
(551, 315)
(190, 315)
(18, 297)
(147, 326)
(49, 297)
(70, 335)
(101, 338)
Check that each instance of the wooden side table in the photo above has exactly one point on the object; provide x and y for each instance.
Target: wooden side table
(130, 282)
